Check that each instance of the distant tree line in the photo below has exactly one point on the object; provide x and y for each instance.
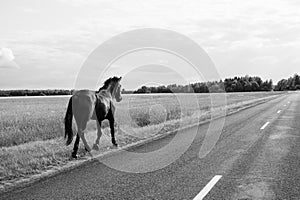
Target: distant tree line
(236, 84)
(7, 93)
(4, 93)
(292, 83)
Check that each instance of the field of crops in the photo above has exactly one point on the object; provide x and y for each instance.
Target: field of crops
(27, 119)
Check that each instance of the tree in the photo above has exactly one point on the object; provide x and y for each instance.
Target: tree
(254, 86)
(297, 80)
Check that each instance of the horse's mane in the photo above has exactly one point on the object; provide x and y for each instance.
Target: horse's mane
(108, 82)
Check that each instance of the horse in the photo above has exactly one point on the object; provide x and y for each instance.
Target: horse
(88, 105)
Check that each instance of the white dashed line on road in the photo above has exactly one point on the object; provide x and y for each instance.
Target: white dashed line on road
(278, 111)
(208, 187)
(265, 125)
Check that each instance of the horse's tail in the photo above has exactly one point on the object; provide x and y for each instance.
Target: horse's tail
(68, 123)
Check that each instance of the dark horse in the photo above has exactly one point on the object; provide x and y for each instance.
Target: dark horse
(86, 105)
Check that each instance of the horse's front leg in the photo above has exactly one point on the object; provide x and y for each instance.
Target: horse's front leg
(99, 134)
(112, 131)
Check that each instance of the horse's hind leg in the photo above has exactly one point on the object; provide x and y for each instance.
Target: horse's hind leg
(99, 134)
(75, 149)
(82, 114)
(81, 125)
(81, 135)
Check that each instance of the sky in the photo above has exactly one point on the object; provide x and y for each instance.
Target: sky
(43, 44)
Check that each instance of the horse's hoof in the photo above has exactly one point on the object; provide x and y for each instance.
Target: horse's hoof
(88, 152)
(74, 156)
(114, 143)
(96, 147)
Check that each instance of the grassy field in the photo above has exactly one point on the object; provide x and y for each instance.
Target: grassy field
(31, 128)
(29, 119)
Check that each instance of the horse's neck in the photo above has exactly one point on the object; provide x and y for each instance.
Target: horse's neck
(105, 93)
(110, 90)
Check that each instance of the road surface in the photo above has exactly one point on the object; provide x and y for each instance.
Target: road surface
(256, 157)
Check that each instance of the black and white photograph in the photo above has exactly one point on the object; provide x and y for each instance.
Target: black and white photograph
(149, 100)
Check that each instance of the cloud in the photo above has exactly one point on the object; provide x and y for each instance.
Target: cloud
(30, 10)
(7, 59)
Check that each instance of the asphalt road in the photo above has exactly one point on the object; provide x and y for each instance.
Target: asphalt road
(256, 157)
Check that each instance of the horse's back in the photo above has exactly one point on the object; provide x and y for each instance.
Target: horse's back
(84, 95)
(85, 102)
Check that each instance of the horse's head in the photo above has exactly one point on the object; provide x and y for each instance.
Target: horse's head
(117, 90)
(113, 86)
